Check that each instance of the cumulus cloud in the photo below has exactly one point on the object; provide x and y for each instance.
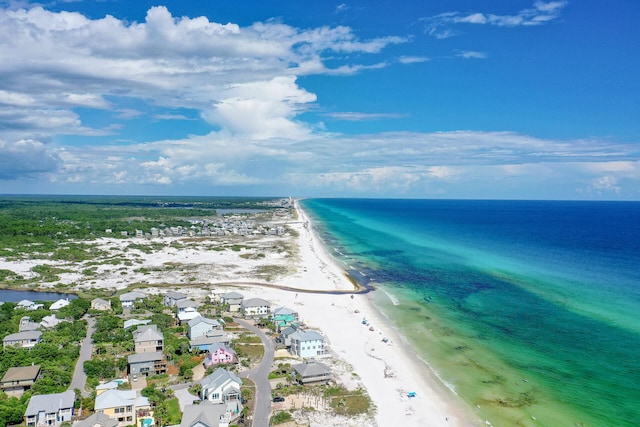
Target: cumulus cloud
(25, 158)
(471, 54)
(360, 117)
(440, 26)
(242, 80)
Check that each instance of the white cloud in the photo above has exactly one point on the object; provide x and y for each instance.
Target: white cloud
(359, 117)
(241, 79)
(440, 26)
(470, 54)
(412, 59)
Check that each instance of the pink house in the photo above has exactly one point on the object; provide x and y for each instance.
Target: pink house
(218, 354)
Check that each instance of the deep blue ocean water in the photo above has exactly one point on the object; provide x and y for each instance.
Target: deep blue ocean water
(529, 310)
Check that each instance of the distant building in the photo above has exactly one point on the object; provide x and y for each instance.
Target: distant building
(171, 298)
(206, 414)
(57, 305)
(233, 299)
(255, 307)
(147, 364)
(100, 304)
(311, 372)
(202, 326)
(128, 299)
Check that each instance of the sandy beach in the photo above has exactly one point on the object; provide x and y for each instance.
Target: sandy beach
(376, 356)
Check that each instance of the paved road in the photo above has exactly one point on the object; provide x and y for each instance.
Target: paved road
(260, 376)
(86, 347)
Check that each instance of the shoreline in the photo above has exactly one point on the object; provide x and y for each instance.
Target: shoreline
(387, 370)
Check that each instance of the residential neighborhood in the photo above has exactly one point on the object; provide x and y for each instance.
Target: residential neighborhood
(145, 348)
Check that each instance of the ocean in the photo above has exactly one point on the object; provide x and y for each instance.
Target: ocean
(528, 310)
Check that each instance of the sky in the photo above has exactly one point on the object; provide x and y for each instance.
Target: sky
(512, 99)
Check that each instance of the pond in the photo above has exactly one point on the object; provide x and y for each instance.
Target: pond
(10, 295)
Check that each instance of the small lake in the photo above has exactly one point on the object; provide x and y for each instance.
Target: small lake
(10, 295)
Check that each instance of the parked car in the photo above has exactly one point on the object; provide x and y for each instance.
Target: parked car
(278, 399)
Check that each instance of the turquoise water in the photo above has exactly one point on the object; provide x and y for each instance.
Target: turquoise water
(528, 310)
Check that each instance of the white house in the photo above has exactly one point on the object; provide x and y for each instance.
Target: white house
(50, 409)
(123, 406)
(185, 304)
(308, 344)
(187, 315)
(202, 326)
(221, 387)
(51, 321)
(255, 307)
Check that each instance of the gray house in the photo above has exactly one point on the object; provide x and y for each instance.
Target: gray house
(221, 386)
(26, 339)
(311, 371)
(171, 298)
(233, 299)
(147, 364)
(19, 379)
(49, 409)
(206, 414)
(98, 419)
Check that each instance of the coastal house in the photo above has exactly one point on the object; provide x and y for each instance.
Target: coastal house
(171, 298)
(206, 414)
(311, 372)
(98, 419)
(19, 379)
(50, 409)
(219, 353)
(221, 387)
(27, 325)
(307, 343)
(202, 326)
(202, 343)
(233, 300)
(124, 406)
(187, 315)
(50, 322)
(128, 299)
(147, 363)
(283, 317)
(26, 339)
(147, 339)
(100, 304)
(255, 307)
(26, 304)
(57, 305)
(184, 305)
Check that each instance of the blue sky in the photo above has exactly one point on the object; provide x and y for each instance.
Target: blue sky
(428, 99)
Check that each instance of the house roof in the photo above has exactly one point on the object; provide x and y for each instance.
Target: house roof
(21, 373)
(99, 419)
(50, 403)
(107, 386)
(20, 336)
(284, 311)
(25, 303)
(50, 321)
(188, 315)
(255, 302)
(59, 304)
(220, 346)
(206, 413)
(135, 322)
(145, 357)
(186, 303)
(205, 340)
(175, 295)
(309, 335)
(147, 333)
(100, 301)
(232, 295)
(197, 320)
(132, 296)
(113, 398)
(311, 369)
(219, 377)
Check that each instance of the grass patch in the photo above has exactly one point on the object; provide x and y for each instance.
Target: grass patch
(347, 402)
(281, 418)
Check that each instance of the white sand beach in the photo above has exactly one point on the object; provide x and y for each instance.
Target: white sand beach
(387, 369)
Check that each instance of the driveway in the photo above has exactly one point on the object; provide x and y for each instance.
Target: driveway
(79, 379)
(260, 376)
